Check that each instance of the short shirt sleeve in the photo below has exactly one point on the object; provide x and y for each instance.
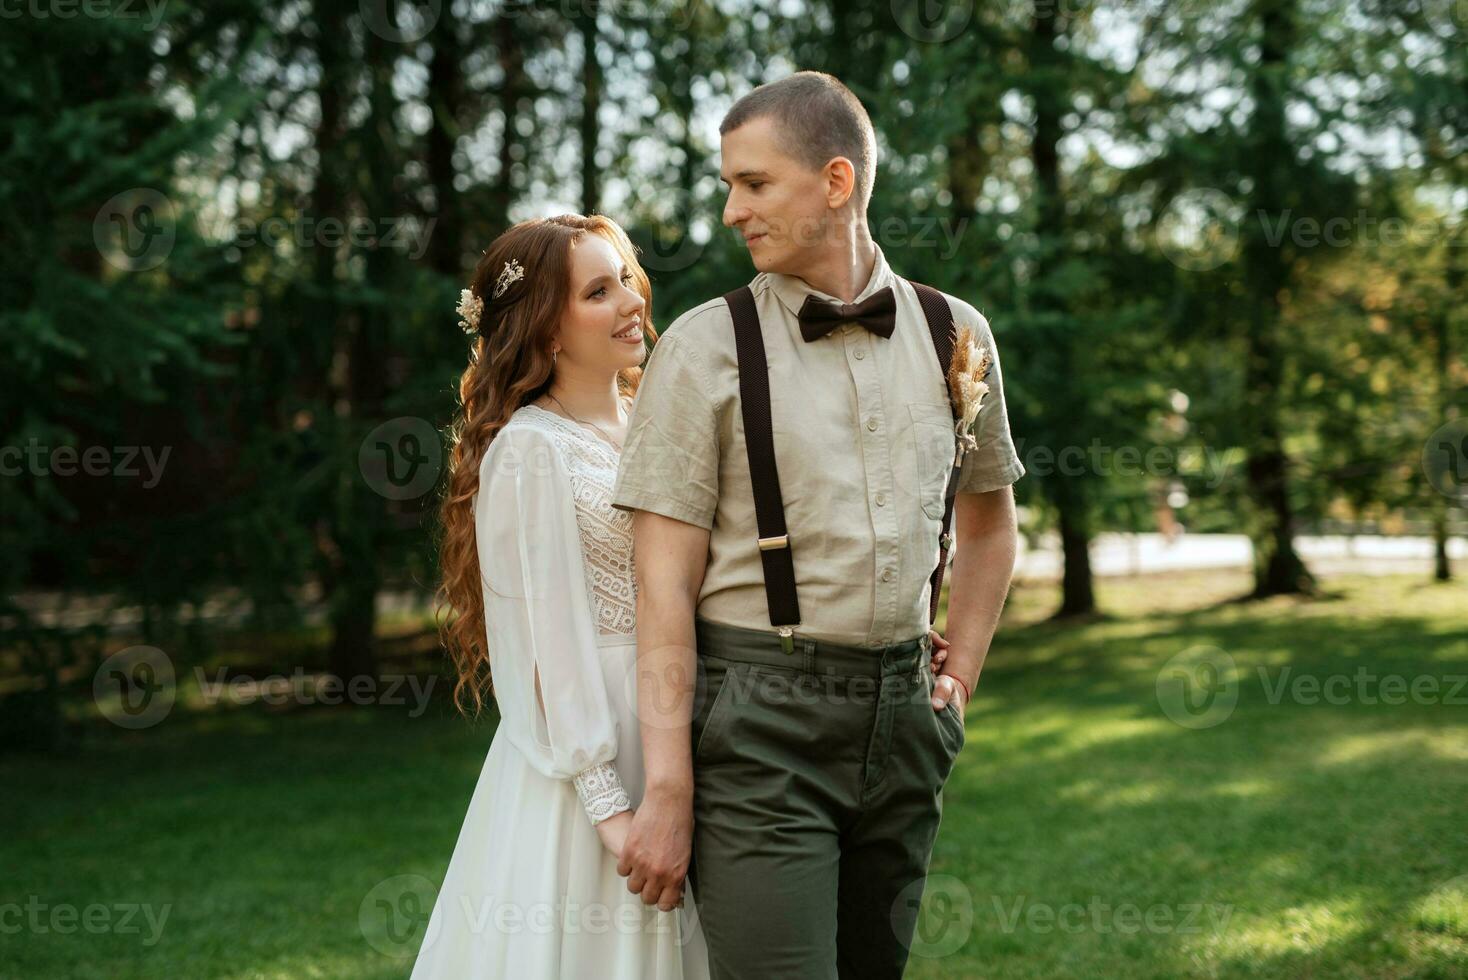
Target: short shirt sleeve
(670, 462)
(995, 463)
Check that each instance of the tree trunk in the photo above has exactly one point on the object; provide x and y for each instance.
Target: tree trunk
(590, 105)
(328, 201)
(353, 650)
(361, 513)
(446, 99)
(512, 65)
(1278, 569)
(1442, 570)
(1077, 596)
(967, 168)
(326, 195)
(1069, 492)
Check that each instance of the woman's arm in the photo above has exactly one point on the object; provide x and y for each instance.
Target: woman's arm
(541, 629)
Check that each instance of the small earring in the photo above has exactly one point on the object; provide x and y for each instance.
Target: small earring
(553, 358)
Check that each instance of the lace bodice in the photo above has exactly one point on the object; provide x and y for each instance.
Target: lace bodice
(606, 532)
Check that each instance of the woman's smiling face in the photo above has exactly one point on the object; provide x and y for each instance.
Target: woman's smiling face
(602, 327)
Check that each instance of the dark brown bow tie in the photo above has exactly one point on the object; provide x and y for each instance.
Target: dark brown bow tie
(877, 313)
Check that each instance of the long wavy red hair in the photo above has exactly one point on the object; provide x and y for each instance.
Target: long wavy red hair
(510, 365)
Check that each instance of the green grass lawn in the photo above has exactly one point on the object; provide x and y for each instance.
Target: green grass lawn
(1086, 834)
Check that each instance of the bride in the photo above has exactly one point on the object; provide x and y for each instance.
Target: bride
(537, 570)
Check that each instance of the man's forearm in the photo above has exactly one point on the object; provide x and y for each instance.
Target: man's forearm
(983, 564)
(666, 673)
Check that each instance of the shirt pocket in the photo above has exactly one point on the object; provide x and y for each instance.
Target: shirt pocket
(934, 446)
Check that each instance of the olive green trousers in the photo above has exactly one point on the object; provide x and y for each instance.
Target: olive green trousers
(818, 779)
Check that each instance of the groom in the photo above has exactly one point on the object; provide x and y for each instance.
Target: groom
(786, 462)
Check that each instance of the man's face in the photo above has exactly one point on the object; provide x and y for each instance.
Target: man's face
(776, 202)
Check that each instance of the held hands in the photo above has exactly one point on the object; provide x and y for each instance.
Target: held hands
(656, 850)
(946, 687)
(653, 844)
(613, 831)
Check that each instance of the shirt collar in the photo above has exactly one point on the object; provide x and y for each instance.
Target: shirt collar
(792, 290)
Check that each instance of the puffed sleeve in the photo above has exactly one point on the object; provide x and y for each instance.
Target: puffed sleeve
(541, 632)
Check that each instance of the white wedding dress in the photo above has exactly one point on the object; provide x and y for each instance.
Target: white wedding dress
(530, 892)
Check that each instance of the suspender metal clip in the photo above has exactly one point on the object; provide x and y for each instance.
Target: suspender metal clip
(787, 638)
(774, 544)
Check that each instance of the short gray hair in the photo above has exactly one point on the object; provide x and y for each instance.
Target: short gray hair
(818, 118)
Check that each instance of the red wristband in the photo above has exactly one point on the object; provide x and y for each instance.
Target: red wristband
(967, 697)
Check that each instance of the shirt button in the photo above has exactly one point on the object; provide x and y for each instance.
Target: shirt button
(871, 425)
(886, 575)
(881, 499)
(860, 354)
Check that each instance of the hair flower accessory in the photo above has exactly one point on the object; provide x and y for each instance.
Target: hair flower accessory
(966, 386)
(470, 309)
(512, 273)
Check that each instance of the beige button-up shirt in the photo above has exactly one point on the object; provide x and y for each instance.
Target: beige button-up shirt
(863, 442)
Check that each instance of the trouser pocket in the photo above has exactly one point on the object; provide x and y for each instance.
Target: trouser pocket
(714, 688)
(944, 729)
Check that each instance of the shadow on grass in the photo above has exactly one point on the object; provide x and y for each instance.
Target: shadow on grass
(1313, 830)
(260, 833)
(1289, 840)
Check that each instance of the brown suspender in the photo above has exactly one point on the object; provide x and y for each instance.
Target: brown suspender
(940, 324)
(759, 442)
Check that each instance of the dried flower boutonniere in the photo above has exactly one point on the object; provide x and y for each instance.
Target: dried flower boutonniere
(966, 386)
